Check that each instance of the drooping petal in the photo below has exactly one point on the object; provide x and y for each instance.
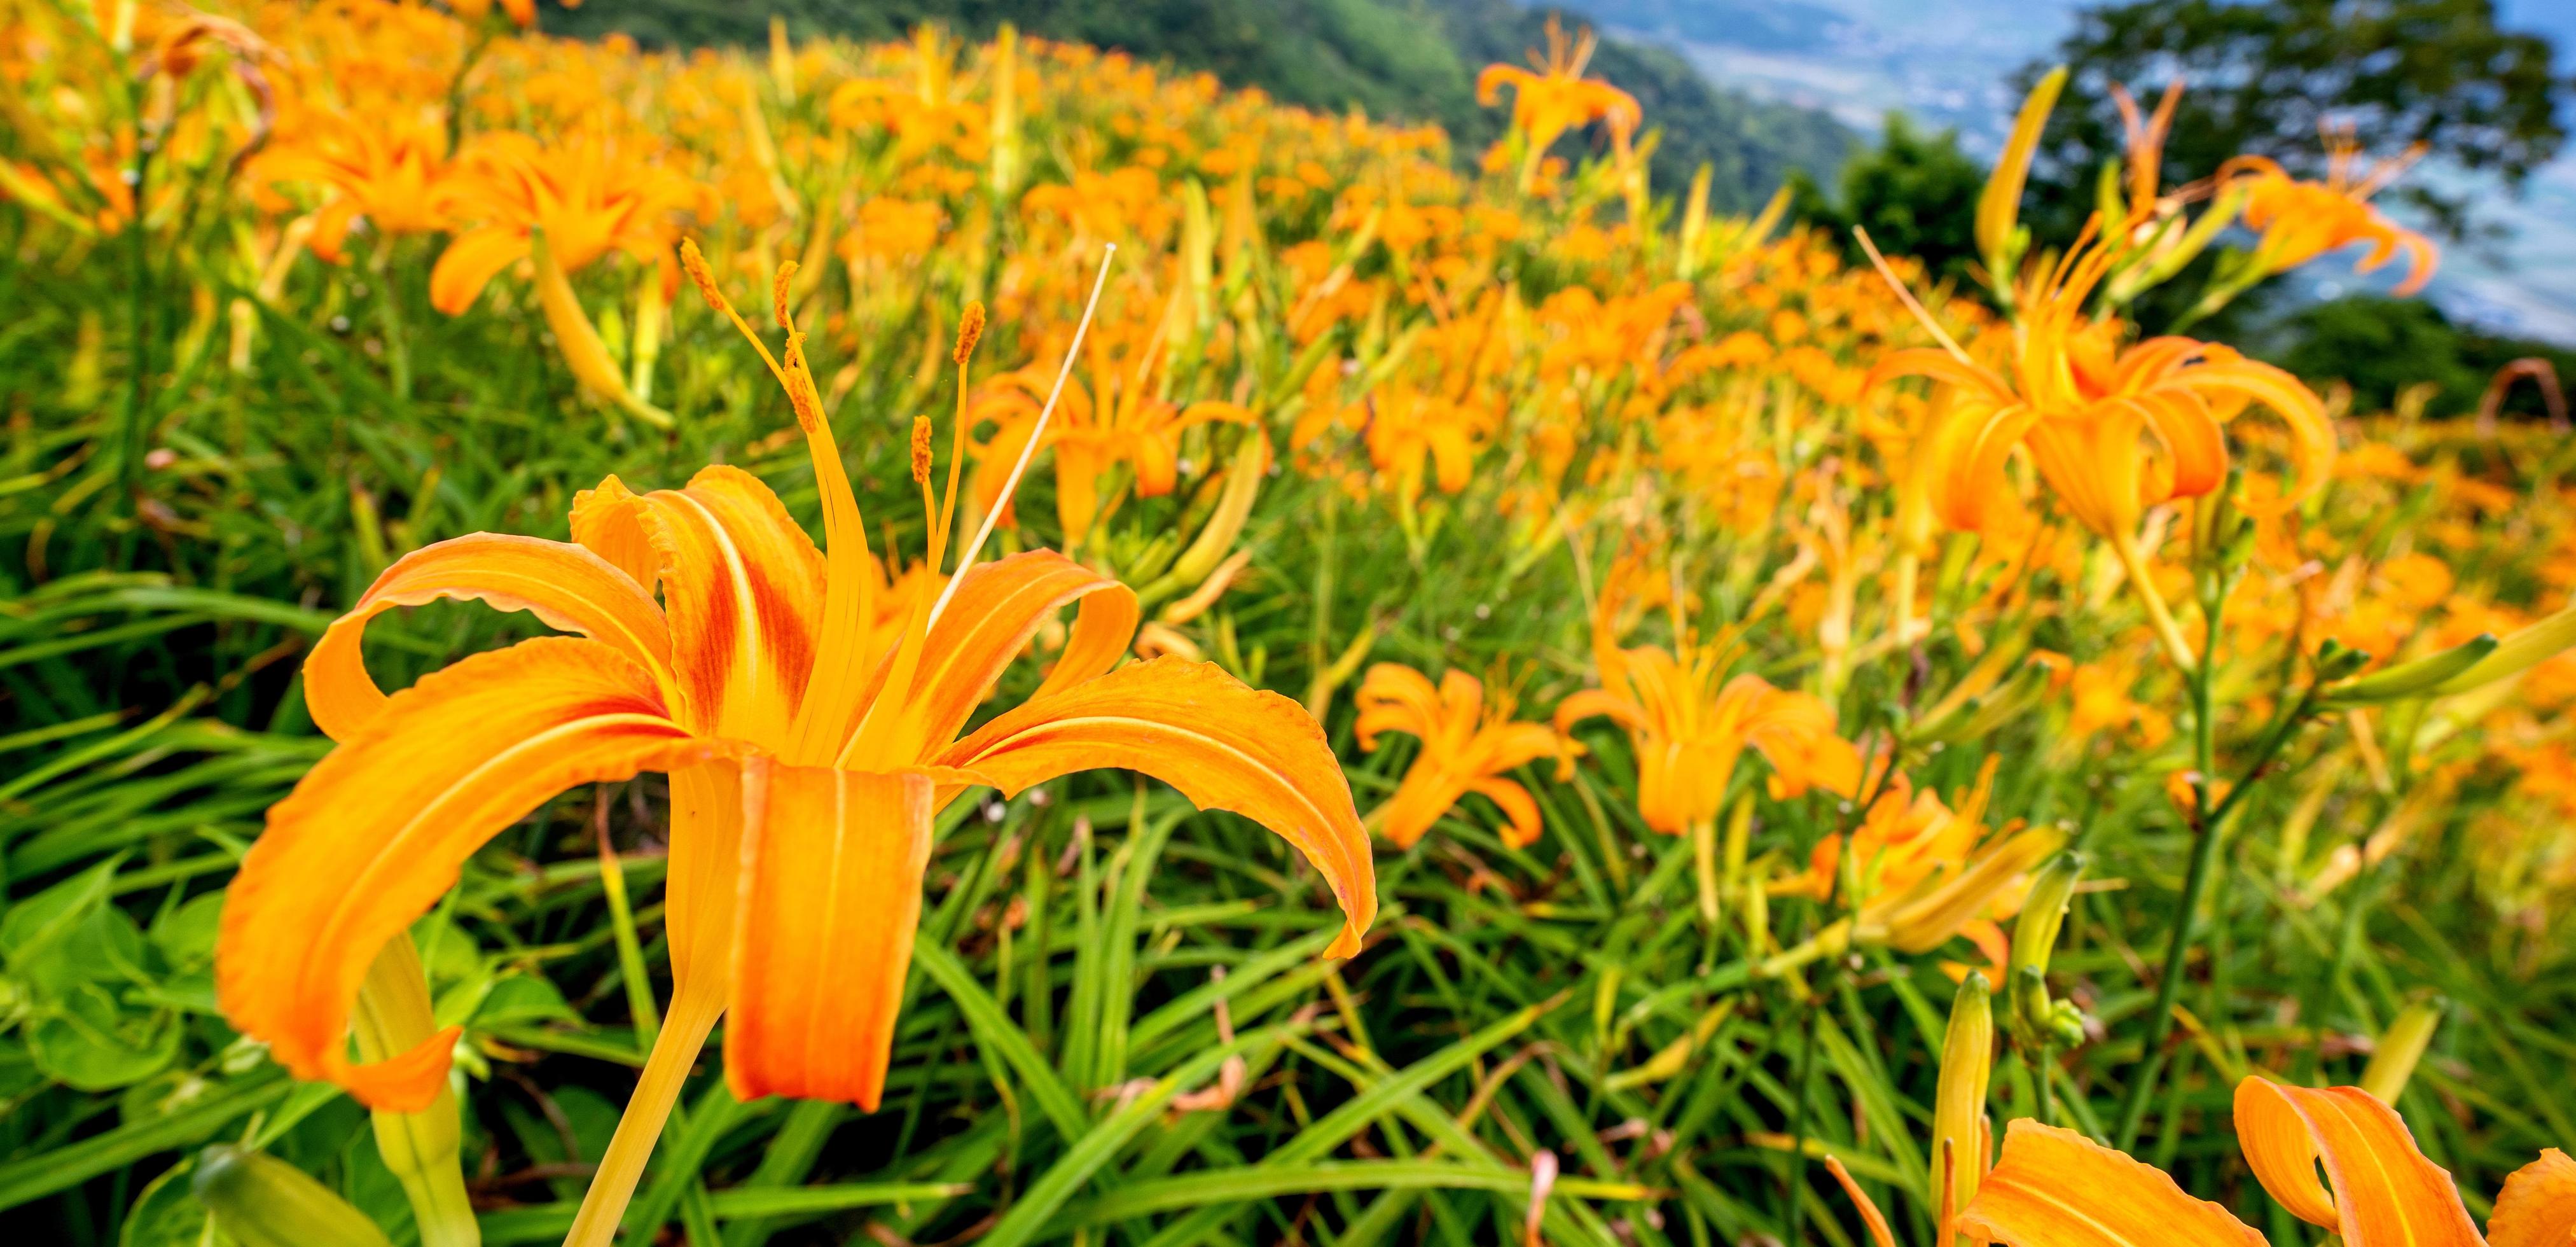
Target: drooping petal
(380, 827)
(831, 897)
(2384, 1193)
(1225, 746)
(1521, 811)
(2056, 1188)
(2537, 1207)
(563, 585)
(1396, 698)
(470, 263)
(742, 586)
(1599, 702)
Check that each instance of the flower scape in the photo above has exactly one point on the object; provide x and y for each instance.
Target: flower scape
(980, 641)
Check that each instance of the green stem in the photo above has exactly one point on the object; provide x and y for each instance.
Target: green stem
(139, 318)
(2204, 854)
(1798, 1123)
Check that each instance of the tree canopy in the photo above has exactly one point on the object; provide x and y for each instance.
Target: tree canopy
(2261, 78)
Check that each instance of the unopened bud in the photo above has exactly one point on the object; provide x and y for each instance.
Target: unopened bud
(921, 450)
(2400, 1047)
(261, 1201)
(1959, 1101)
(694, 262)
(970, 329)
(2043, 911)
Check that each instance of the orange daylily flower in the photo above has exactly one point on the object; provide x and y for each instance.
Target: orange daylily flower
(2300, 221)
(1689, 724)
(391, 177)
(587, 195)
(1905, 837)
(807, 755)
(1553, 96)
(561, 207)
(1409, 428)
(2086, 409)
(1120, 416)
(1468, 741)
(2056, 1188)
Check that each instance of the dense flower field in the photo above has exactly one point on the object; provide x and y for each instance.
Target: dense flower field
(952, 642)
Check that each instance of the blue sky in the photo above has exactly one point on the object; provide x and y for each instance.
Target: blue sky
(1945, 61)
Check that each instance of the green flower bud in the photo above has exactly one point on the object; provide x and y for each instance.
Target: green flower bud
(262, 1201)
(2420, 678)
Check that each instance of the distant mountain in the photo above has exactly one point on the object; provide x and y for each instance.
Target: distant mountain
(1404, 59)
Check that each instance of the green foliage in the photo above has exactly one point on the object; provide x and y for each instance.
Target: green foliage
(2382, 347)
(2261, 77)
(1916, 194)
(1413, 60)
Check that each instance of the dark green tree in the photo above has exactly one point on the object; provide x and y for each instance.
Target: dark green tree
(1916, 194)
(2261, 75)
(2380, 346)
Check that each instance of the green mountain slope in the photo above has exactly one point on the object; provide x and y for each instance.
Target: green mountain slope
(1409, 59)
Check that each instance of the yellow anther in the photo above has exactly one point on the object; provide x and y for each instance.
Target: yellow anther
(695, 263)
(970, 327)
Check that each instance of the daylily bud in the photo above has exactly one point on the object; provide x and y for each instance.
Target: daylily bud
(2420, 678)
(2401, 1046)
(1923, 920)
(261, 1201)
(2517, 653)
(1216, 540)
(2043, 913)
(1959, 1103)
(578, 339)
(420, 1149)
(1999, 207)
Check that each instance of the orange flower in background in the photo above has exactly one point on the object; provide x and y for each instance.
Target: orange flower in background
(1409, 428)
(1468, 741)
(391, 178)
(588, 195)
(1688, 724)
(1905, 837)
(1119, 417)
(1553, 96)
(807, 750)
(2088, 410)
(2056, 1188)
(2300, 221)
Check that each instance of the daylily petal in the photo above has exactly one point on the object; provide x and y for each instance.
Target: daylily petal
(470, 263)
(1225, 746)
(2537, 1207)
(563, 585)
(380, 827)
(1521, 831)
(742, 586)
(2385, 1193)
(997, 608)
(831, 898)
(2056, 1188)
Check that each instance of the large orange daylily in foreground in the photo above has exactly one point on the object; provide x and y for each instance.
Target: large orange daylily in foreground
(1468, 742)
(2056, 1188)
(807, 750)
